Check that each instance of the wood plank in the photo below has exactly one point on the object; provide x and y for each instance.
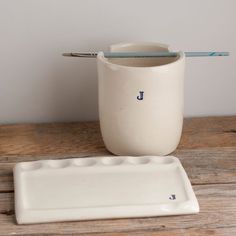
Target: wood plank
(207, 132)
(218, 214)
(82, 138)
(50, 139)
(209, 165)
(177, 232)
(203, 166)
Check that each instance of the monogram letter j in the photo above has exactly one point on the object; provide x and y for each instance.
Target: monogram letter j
(140, 96)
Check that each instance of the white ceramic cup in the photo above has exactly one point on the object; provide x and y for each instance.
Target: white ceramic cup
(141, 101)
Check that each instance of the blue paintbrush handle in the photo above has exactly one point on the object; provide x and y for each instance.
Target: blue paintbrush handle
(162, 54)
(206, 54)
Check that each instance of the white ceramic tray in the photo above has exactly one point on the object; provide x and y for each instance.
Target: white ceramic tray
(101, 187)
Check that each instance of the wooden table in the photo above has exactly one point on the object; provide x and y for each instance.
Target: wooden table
(207, 151)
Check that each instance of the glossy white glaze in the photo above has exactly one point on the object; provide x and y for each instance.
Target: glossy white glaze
(141, 101)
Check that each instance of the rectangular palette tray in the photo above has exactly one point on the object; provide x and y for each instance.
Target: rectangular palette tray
(101, 188)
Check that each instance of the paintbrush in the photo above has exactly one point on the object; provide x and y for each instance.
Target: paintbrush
(144, 54)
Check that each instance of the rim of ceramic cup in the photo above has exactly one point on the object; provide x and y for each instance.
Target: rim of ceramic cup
(104, 60)
(113, 47)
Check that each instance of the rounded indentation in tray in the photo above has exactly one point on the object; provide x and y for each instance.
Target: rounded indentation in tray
(84, 162)
(162, 160)
(31, 166)
(58, 163)
(111, 161)
(138, 160)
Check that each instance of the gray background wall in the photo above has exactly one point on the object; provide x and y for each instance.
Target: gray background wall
(38, 85)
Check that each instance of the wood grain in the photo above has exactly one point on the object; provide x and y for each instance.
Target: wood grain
(177, 232)
(83, 138)
(207, 151)
(50, 139)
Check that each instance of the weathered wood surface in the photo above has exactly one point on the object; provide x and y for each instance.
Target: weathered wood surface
(85, 138)
(207, 151)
